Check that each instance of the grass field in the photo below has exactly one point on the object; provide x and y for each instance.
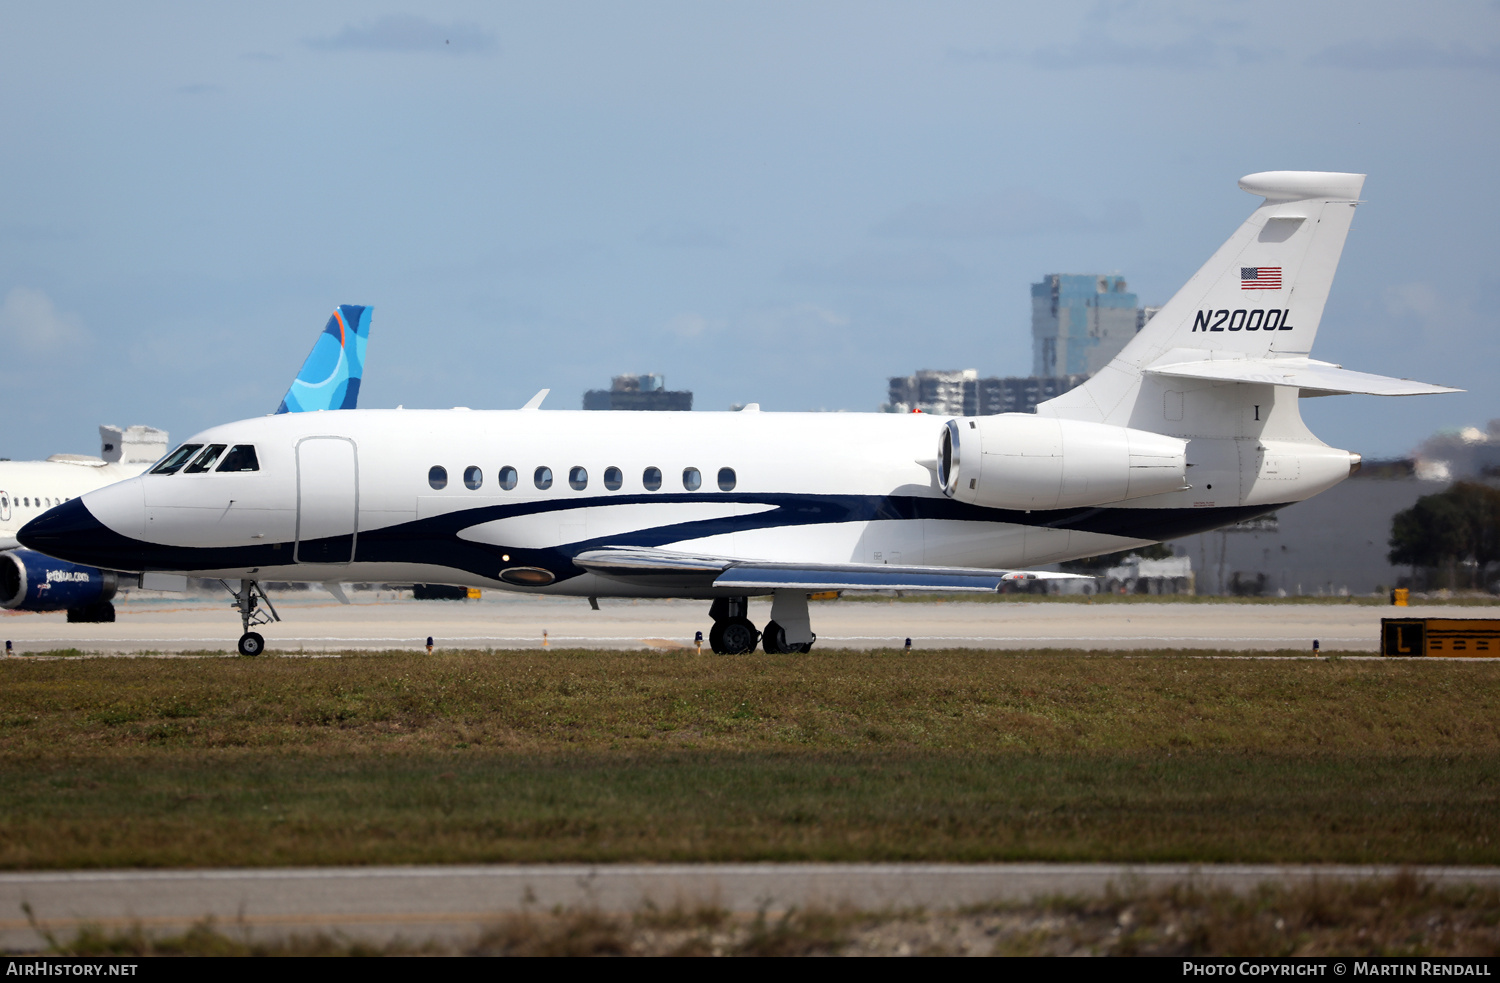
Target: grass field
(574, 755)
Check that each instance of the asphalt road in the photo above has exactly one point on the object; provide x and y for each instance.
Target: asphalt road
(314, 622)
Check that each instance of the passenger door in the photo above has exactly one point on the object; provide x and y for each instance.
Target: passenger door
(327, 499)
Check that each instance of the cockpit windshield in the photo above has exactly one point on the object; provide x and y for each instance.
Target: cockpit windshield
(205, 460)
(175, 460)
(241, 457)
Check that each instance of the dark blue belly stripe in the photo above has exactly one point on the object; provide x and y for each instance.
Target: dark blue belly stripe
(73, 534)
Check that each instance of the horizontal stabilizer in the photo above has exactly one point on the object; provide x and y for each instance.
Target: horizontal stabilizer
(1310, 375)
(650, 565)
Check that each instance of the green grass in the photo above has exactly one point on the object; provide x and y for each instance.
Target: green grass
(836, 755)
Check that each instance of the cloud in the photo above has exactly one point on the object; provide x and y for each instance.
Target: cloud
(1195, 53)
(690, 326)
(686, 237)
(1013, 213)
(30, 322)
(913, 268)
(1401, 54)
(408, 33)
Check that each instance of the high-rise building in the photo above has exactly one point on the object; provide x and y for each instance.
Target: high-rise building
(1079, 322)
(638, 392)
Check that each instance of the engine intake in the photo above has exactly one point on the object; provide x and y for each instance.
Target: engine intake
(31, 581)
(1021, 461)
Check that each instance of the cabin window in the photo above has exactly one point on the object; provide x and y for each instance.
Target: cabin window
(175, 460)
(651, 479)
(26, 501)
(508, 477)
(241, 457)
(726, 479)
(543, 478)
(578, 479)
(691, 479)
(205, 461)
(613, 479)
(437, 477)
(473, 478)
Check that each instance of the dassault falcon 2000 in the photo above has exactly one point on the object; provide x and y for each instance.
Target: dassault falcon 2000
(1194, 425)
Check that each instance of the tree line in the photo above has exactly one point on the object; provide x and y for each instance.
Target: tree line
(1453, 537)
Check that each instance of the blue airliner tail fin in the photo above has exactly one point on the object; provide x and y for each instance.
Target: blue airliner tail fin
(329, 379)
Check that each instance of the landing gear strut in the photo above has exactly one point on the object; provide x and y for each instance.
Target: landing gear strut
(732, 633)
(247, 599)
(789, 629)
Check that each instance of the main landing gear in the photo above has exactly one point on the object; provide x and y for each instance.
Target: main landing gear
(732, 633)
(247, 599)
(787, 632)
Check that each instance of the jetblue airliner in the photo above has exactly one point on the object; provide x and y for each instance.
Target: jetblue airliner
(1195, 424)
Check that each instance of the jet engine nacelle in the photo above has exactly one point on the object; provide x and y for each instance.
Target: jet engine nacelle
(31, 581)
(1021, 461)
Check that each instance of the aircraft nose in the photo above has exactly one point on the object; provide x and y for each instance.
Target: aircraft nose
(68, 532)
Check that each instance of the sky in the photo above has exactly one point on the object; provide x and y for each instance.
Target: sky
(780, 202)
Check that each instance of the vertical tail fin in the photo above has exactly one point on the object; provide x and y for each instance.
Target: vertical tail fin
(1260, 296)
(329, 379)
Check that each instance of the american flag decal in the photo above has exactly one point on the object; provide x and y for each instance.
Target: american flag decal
(1260, 278)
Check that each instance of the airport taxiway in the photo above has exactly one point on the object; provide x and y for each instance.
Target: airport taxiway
(313, 622)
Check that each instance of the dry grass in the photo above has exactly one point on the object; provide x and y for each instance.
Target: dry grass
(600, 756)
(1398, 917)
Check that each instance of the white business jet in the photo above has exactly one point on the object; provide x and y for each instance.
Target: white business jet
(329, 379)
(1194, 425)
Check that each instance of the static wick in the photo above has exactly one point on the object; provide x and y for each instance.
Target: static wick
(429, 644)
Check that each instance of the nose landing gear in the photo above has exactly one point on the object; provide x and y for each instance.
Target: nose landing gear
(247, 599)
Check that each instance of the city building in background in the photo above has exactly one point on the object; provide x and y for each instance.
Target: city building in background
(1079, 322)
(961, 392)
(638, 392)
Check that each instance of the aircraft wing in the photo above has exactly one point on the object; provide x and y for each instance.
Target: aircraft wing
(663, 568)
(1311, 375)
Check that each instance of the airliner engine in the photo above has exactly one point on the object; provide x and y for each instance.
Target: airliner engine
(30, 581)
(1021, 461)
